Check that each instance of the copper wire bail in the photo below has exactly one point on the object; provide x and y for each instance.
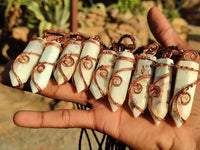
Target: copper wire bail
(151, 49)
(171, 51)
(56, 32)
(125, 46)
(59, 34)
(191, 55)
(113, 46)
(98, 38)
(78, 36)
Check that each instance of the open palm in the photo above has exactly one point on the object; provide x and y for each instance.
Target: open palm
(138, 133)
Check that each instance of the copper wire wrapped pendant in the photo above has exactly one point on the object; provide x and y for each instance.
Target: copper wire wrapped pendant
(42, 71)
(185, 86)
(141, 80)
(116, 72)
(160, 89)
(86, 64)
(119, 81)
(65, 65)
(102, 74)
(23, 65)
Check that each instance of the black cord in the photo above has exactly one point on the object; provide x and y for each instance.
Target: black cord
(88, 138)
(96, 138)
(110, 144)
(80, 139)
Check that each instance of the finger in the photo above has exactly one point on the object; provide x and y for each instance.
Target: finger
(162, 30)
(67, 92)
(55, 119)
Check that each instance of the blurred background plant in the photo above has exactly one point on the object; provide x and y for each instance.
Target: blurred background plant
(44, 13)
(51, 13)
(31, 17)
(25, 19)
(172, 8)
(133, 6)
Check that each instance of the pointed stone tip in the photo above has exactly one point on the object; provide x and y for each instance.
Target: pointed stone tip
(177, 120)
(157, 122)
(113, 106)
(33, 88)
(97, 95)
(58, 77)
(136, 113)
(13, 79)
(115, 109)
(78, 90)
(178, 123)
(59, 82)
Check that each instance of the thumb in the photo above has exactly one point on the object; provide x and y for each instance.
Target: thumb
(162, 30)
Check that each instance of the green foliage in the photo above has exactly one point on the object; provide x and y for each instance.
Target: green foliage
(173, 4)
(133, 6)
(171, 8)
(43, 13)
(30, 20)
(7, 4)
(51, 13)
(171, 14)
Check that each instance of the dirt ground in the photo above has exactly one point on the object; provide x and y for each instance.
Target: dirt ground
(17, 138)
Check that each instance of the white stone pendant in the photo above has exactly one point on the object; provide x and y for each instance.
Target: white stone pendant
(22, 67)
(141, 80)
(101, 76)
(65, 65)
(42, 71)
(86, 64)
(119, 81)
(159, 91)
(184, 89)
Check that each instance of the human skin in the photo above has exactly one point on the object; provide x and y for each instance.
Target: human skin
(139, 133)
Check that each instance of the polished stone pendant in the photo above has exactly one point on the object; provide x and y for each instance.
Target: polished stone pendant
(66, 64)
(159, 91)
(86, 64)
(119, 81)
(23, 65)
(102, 73)
(163, 84)
(42, 71)
(142, 77)
(141, 80)
(123, 67)
(184, 88)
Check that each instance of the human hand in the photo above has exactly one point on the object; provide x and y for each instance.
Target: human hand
(138, 133)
